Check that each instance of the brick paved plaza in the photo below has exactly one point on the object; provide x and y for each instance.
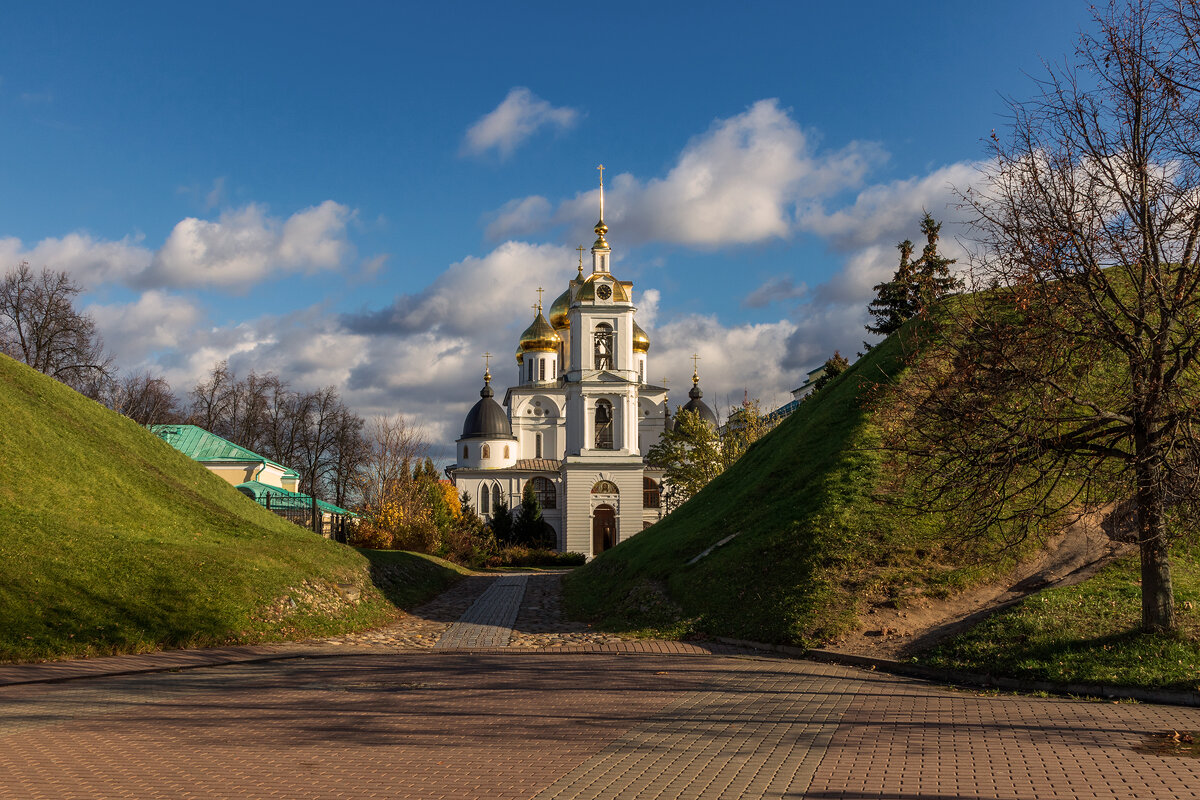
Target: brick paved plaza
(586, 716)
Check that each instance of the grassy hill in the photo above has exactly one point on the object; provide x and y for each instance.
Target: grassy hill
(111, 541)
(815, 543)
(811, 537)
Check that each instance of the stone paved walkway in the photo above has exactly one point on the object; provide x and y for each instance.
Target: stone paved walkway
(568, 718)
(489, 620)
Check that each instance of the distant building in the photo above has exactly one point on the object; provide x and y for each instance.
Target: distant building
(580, 420)
(266, 482)
(231, 462)
(798, 394)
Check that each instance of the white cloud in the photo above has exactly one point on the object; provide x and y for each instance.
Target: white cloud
(647, 307)
(89, 261)
(742, 181)
(733, 360)
(781, 287)
(155, 321)
(518, 117)
(865, 233)
(475, 295)
(519, 217)
(246, 246)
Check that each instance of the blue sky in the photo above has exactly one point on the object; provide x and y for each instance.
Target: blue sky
(368, 195)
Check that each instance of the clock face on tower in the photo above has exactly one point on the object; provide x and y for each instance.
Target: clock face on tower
(604, 291)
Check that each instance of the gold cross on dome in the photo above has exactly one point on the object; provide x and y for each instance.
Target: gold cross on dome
(487, 361)
(539, 305)
(601, 168)
(695, 358)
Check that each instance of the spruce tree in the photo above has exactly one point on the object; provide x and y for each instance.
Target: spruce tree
(915, 286)
(932, 271)
(528, 524)
(895, 300)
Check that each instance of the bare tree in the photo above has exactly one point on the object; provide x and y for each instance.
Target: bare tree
(351, 450)
(40, 326)
(395, 445)
(146, 399)
(1071, 376)
(212, 398)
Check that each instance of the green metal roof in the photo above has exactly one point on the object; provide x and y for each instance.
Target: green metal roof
(282, 498)
(201, 445)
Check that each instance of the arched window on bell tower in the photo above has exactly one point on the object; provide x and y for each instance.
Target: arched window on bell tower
(604, 357)
(604, 425)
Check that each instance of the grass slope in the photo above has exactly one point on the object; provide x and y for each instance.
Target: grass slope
(1087, 634)
(811, 535)
(111, 542)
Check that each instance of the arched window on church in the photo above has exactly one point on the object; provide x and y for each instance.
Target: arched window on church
(506, 451)
(604, 358)
(651, 497)
(483, 499)
(641, 370)
(604, 425)
(466, 455)
(543, 489)
(541, 369)
(485, 452)
(495, 500)
(537, 446)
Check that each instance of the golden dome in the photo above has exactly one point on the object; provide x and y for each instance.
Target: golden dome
(587, 292)
(641, 342)
(538, 337)
(560, 311)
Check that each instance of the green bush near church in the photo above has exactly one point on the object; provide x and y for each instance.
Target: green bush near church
(113, 542)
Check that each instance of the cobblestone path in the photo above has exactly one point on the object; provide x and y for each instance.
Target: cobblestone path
(504, 699)
(489, 620)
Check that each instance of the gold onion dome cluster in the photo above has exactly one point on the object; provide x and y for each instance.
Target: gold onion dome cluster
(538, 337)
(641, 342)
(561, 310)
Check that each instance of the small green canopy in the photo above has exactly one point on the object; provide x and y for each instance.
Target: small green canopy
(282, 498)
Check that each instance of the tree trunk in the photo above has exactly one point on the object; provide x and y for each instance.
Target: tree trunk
(1158, 597)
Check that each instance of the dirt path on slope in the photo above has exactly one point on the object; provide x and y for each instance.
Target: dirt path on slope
(1072, 556)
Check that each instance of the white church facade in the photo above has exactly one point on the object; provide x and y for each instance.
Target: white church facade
(580, 419)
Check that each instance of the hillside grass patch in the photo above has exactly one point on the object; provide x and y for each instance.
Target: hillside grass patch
(113, 542)
(1088, 633)
(817, 535)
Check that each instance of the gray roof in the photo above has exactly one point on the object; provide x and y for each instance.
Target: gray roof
(698, 406)
(486, 419)
(539, 464)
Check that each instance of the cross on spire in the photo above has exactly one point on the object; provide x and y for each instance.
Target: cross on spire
(487, 361)
(695, 368)
(539, 305)
(601, 168)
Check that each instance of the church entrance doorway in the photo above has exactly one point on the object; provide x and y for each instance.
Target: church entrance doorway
(604, 529)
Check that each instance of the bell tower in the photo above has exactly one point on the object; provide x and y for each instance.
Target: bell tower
(602, 465)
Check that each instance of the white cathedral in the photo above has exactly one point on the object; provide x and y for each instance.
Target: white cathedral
(581, 419)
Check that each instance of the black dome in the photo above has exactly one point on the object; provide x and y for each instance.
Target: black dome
(486, 419)
(698, 406)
